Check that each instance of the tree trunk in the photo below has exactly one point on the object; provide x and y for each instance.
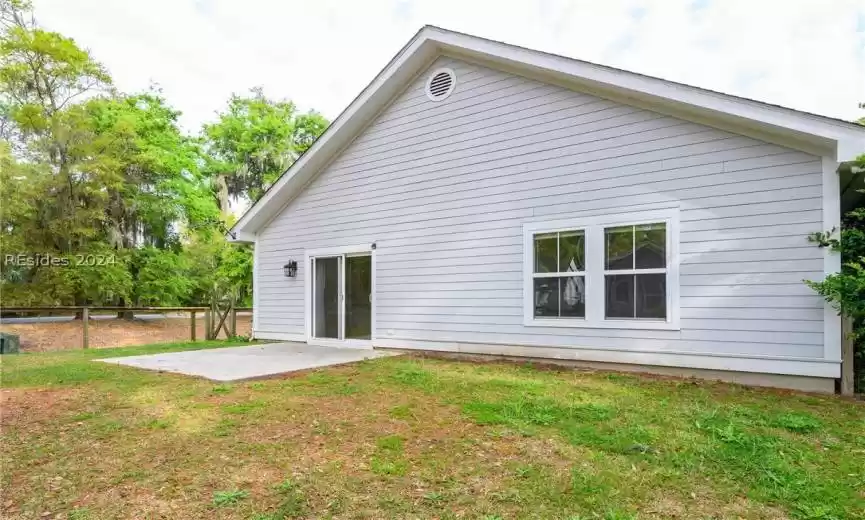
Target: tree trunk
(221, 189)
(124, 315)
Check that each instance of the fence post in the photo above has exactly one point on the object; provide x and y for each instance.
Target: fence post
(214, 318)
(192, 325)
(85, 317)
(233, 318)
(846, 355)
(207, 319)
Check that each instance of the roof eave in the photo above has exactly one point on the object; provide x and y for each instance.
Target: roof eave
(240, 237)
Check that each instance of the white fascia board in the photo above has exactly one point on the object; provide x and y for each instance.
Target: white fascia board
(241, 237)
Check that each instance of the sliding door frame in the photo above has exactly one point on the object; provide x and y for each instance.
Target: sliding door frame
(342, 252)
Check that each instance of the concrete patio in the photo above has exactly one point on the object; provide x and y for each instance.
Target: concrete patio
(248, 362)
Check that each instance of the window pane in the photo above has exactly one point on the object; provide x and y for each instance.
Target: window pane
(651, 246)
(560, 297)
(572, 296)
(358, 296)
(619, 245)
(546, 253)
(572, 251)
(326, 295)
(619, 295)
(652, 296)
(546, 297)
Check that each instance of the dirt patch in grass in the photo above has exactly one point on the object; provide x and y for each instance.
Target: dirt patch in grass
(20, 408)
(704, 503)
(43, 337)
(145, 502)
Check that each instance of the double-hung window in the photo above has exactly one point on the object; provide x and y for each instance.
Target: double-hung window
(610, 271)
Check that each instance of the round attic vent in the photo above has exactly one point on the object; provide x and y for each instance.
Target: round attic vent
(440, 84)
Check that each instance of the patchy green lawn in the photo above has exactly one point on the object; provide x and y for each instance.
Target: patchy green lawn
(417, 438)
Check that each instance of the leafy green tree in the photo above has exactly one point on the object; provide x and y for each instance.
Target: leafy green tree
(253, 142)
(161, 277)
(218, 267)
(88, 172)
(150, 170)
(250, 145)
(20, 184)
(98, 276)
(101, 172)
(234, 270)
(41, 73)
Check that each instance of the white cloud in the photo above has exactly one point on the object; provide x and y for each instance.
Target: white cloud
(805, 54)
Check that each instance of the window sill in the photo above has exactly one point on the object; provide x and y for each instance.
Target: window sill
(603, 324)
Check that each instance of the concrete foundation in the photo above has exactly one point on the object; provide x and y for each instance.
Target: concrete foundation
(790, 382)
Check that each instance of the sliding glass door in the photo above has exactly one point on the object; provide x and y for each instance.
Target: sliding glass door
(358, 297)
(327, 297)
(342, 297)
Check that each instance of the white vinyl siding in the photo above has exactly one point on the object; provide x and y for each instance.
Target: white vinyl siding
(444, 189)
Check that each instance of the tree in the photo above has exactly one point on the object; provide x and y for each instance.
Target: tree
(161, 277)
(150, 170)
(253, 142)
(88, 172)
(41, 73)
(219, 267)
(20, 184)
(102, 172)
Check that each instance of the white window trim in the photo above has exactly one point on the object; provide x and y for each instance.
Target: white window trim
(594, 273)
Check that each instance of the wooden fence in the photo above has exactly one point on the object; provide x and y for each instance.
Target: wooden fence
(218, 316)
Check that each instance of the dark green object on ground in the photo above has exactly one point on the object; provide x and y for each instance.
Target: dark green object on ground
(8, 343)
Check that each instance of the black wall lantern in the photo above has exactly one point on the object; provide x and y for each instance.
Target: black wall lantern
(290, 269)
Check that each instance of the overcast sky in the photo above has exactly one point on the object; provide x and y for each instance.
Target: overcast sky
(805, 54)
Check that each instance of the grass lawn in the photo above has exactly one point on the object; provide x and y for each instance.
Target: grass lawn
(405, 437)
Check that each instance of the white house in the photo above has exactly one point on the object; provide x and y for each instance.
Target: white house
(479, 197)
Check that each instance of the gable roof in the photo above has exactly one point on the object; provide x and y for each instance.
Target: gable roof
(824, 136)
